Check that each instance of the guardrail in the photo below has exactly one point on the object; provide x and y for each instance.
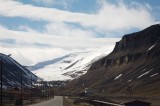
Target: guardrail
(103, 103)
(96, 102)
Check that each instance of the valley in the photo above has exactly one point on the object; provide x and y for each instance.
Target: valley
(129, 72)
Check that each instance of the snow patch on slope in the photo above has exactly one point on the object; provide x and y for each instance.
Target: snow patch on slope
(152, 46)
(118, 76)
(154, 74)
(144, 73)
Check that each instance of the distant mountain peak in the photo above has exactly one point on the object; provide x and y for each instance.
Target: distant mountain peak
(66, 67)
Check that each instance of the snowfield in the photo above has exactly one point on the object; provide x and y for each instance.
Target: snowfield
(68, 67)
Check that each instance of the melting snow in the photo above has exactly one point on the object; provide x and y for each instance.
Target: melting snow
(151, 69)
(144, 74)
(118, 76)
(154, 74)
(152, 46)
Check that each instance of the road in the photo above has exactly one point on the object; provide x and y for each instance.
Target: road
(57, 101)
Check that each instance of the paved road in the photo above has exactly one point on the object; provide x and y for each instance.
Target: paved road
(57, 101)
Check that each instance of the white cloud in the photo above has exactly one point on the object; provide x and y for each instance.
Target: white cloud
(27, 52)
(109, 17)
(60, 38)
(122, 17)
(62, 29)
(28, 38)
(32, 55)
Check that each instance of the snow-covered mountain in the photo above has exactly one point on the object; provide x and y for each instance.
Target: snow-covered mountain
(12, 72)
(66, 67)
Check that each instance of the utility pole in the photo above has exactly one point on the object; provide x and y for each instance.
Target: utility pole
(1, 79)
(31, 89)
(21, 84)
(21, 98)
(129, 92)
(43, 92)
(41, 89)
(49, 90)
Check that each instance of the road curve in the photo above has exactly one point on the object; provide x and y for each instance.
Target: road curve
(57, 101)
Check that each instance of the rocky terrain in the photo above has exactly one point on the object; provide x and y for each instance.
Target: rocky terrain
(131, 69)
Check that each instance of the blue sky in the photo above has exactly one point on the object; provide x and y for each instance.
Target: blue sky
(31, 24)
(78, 6)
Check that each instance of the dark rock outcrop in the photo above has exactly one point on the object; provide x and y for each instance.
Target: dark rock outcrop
(144, 38)
(133, 47)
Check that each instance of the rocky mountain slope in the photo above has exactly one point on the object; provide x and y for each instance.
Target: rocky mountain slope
(12, 71)
(132, 68)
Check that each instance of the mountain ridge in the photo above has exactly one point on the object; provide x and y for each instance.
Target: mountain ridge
(133, 64)
(12, 71)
